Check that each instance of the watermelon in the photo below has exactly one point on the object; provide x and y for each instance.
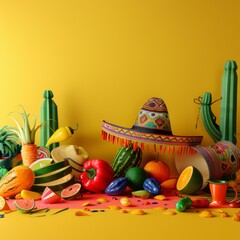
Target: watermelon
(49, 196)
(125, 158)
(71, 192)
(24, 205)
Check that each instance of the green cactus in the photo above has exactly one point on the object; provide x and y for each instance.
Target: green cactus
(228, 109)
(209, 119)
(49, 114)
(228, 106)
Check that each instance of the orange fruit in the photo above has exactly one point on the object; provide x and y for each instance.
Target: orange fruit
(190, 181)
(169, 183)
(158, 170)
(3, 204)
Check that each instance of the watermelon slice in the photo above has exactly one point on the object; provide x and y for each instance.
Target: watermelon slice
(24, 205)
(71, 192)
(49, 196)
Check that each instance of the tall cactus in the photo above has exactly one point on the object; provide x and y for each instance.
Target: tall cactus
(49, 114)
(228, 109)
(228, 115)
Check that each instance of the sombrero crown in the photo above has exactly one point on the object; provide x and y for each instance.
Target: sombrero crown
(152, 125)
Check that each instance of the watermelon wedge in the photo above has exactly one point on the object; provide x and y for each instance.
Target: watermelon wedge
(24, 205)
(71, 192)
(49, 196)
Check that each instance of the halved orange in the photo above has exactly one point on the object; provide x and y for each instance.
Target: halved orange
(190, 181)
(3, 204)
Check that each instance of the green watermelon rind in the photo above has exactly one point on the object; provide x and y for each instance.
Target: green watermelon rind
(52, 167)
(21, 209)
(54, 176)
(73, 195)
(126, 158)
(55, 187)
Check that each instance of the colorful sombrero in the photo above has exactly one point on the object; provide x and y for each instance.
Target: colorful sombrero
(152, 126)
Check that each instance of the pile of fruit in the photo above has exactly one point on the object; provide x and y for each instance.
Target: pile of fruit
(50, 181)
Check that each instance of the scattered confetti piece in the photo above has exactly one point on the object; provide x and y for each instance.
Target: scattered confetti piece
(86, 209)
(113, 207)
(138, 212)
(125, 202)
(86, 204)
(80, 213)
(169, 212)
(160, 197)
(102, 200)
(124, 211)
(39, 210)
(236, 217)
(161, 208)
(206, 214)
(61, 210)
(224, 215)
(219, 210)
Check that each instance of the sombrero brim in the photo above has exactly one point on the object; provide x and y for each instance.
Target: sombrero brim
(114, 133)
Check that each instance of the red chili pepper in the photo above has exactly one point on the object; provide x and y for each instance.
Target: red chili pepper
(200, 203)
(97, 175)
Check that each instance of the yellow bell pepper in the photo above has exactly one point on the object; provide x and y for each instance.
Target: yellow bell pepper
(60, 135)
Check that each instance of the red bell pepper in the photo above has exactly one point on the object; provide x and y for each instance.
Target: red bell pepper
(97, 175)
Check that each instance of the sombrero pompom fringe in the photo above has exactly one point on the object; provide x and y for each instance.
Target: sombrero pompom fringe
(162, 148)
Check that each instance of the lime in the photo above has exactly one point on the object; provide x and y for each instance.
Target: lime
(190, 181)
(40, 163)
(135, 177)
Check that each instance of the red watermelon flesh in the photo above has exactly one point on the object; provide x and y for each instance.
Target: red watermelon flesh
(24, 205)
(49, 196)
(71, 192)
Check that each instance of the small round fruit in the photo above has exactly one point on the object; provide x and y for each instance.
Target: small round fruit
(135, 177)
(190, 181)
(125, 202)
(158, 170)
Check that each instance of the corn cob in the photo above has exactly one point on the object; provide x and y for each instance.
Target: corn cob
(228, 106)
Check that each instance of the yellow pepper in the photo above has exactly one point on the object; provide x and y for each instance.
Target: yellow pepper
(60, 135)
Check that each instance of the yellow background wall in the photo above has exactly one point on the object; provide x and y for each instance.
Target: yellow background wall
(104, 58)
